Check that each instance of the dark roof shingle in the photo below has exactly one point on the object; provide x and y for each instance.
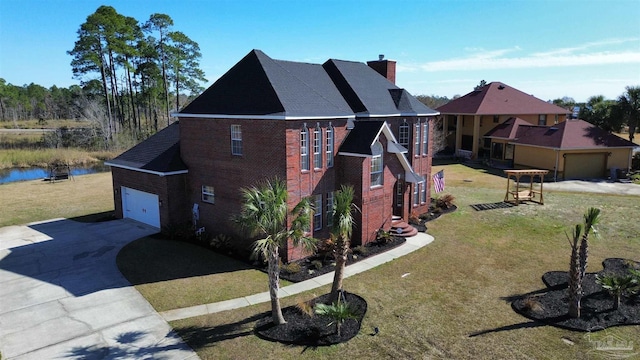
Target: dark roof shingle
(159, 153)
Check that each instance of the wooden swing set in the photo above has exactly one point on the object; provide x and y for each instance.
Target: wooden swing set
(515, 194)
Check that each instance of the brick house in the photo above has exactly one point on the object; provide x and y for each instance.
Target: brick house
(317, 126)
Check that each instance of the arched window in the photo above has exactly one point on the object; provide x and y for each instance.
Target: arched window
(376, 164)
(304, 148)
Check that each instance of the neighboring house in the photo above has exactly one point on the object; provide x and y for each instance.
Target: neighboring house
(468, 118)
(317, 126)
(572, 149)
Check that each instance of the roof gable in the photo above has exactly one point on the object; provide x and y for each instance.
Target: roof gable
(506, 130)
(497, 98)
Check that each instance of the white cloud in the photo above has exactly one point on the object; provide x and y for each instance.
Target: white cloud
(482, 59)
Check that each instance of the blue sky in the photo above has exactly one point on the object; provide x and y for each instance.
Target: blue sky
(549, 49)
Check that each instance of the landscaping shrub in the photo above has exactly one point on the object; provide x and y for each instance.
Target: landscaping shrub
(445, 201)
(360, 250)
(292, 268)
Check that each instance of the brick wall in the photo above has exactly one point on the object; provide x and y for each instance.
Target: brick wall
(171, 191)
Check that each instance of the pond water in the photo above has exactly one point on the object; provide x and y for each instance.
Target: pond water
(35, 173)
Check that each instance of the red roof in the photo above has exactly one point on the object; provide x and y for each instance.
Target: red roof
(570, 134)
(508, 129)
(497, 98)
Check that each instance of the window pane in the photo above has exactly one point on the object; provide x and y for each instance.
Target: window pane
(208, 194)
(425, 138)
(236, 140)
(329, 209)
(415, 194)
(329, 148)
(317, 146)
(304, 149)
(403, 136)
(317, 215)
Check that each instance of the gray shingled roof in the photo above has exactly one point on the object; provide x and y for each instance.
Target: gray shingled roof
(361, 137)
(160, 153)
(259, 85)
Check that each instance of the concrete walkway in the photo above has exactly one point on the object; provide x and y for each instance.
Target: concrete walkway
(594, 186)
(62, 295)
(412, 244)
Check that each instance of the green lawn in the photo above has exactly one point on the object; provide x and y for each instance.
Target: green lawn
(28, 201)
(450, 305)
(172, 274)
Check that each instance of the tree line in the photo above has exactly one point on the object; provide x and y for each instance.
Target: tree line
(132, 76)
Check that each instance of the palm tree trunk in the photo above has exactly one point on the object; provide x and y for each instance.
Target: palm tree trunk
(338, 276)
(274, 285)
(575, 281)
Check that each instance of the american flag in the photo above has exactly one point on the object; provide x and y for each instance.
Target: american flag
(438, 181)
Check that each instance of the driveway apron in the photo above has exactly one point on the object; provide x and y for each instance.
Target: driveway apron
(63, 297)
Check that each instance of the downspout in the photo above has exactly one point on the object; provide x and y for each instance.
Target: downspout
(555, 173)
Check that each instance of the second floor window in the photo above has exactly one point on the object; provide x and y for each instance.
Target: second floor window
(317, 148)
(376, 165)
(416, 148)
(542, 120)
(304, 148)
(236, 140)
(403, 135)
(329, 148)
(425, 138)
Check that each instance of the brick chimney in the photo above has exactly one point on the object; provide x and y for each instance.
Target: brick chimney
(386, 68)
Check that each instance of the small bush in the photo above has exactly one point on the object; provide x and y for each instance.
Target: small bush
(533, 305)
(317, 264)
(292, 268)
(360, 250)
(305, 308)
(221, 242)
(383, 237)
(445, 201)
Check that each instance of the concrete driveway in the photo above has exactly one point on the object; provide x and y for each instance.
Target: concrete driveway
(62, 296)
(594, 186)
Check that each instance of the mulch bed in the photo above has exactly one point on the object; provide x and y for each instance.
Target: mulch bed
(597, 306)
(302, 329)
(308, 268)
(435, 213)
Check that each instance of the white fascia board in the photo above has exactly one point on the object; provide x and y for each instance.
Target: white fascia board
(146, 171)
(354, 154)
(262, 117)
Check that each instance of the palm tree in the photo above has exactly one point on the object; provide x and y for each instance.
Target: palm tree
(629, 103)
(338, 311)
(343, 222)
(265, 214)
(616, 286)
(591, 219)
(575, 281)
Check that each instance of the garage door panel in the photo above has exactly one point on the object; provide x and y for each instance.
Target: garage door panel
(141, 206)
(584, 166)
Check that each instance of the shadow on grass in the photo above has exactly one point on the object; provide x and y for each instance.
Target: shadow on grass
(149, 260)
(200, 337)
(127, 346)
(97, 217)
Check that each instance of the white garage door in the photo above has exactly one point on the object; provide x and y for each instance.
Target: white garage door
(140, 206)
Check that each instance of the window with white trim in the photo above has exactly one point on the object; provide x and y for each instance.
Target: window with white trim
(423, 191)
(329, 146)
(329, 210)
(416, 190)
(416, 148)
(425, 138)
(317, 214)
(376, 165)
(304, 148)
(236, 140)
(317, 147)
(403, 134)
(208, 194)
